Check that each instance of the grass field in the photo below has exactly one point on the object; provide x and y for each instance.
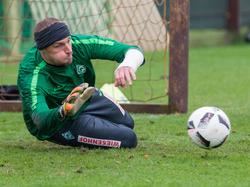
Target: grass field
(165, 156)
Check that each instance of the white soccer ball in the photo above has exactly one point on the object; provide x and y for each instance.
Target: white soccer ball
(208, 127)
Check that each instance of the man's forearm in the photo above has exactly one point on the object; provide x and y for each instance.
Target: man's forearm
(134, 58)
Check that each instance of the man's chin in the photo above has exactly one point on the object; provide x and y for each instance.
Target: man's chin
(68, 62)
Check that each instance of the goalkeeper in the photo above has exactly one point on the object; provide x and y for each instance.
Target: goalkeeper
(56, 82)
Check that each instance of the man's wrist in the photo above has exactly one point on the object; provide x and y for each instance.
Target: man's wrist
(133, 58)
(61, 112)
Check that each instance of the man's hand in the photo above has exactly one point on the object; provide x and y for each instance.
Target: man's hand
(78, 96)
(124, 76)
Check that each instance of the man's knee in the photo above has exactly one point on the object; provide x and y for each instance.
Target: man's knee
(129, 121)
(130, 141)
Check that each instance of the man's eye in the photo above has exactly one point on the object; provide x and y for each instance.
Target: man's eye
(57, 45)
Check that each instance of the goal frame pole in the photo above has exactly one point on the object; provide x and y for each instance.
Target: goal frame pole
(178, 64)
(178, 51)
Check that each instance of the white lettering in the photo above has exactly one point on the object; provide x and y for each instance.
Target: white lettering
(99, 142)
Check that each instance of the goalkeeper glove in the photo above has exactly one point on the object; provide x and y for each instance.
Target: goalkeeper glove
(77, 97)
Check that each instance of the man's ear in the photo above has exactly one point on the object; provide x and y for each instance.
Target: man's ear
(43, 54)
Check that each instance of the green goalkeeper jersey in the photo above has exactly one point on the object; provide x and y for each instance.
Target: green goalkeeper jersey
(43, 87)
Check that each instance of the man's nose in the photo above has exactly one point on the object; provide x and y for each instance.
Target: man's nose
(68, 48)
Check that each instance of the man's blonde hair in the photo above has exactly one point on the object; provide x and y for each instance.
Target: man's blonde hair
(45, 23)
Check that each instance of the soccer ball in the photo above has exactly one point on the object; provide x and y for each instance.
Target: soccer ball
(208, 127)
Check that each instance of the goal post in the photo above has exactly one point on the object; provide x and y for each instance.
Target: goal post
(178, 63)
(160, 27)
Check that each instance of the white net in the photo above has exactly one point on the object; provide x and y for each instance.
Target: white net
(132, 21)
(137, 22)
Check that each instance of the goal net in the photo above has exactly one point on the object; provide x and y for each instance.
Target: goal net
(138, 22)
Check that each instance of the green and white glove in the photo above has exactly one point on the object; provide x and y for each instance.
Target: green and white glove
(77, 97)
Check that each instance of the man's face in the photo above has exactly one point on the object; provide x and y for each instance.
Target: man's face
(59, 53)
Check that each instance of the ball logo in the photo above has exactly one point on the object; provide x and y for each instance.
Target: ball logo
(205, 120)
(191, 125)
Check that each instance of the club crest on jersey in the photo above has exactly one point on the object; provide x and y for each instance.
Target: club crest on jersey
(68, 135)
(80, 69)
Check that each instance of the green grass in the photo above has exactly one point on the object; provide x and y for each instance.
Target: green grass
(165, 156)
(8, 73)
